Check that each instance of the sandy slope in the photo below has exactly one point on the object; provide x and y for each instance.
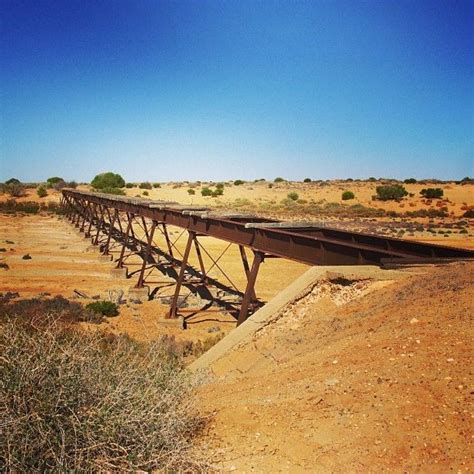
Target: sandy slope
(380, 383)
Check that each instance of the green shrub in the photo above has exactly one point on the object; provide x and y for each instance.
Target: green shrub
(410, 181)
(206, 191)
(307, 180)
(347, 195)
(15, 189)
(278, 180)
(116, 191)
(191, 192)
(106, 308)
(50, 182)
(270, 185)
(156, 185)
(41, 191)
(220, 186)
(391, 192)
(77, 401)
(432, 193)
(108, 180)
(238, 182)
(11, 206)
(129, 185)
(145, 193)
(372, 179)
(145, 185)
(293, 196)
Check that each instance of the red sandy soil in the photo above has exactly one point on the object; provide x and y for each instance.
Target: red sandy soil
(380, 383)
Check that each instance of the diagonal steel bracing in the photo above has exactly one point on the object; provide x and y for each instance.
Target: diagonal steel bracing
(113, 223)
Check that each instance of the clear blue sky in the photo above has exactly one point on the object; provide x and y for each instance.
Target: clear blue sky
(174, 90)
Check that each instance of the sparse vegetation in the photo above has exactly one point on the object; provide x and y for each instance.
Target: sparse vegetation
(14, 189)
(116, 191)
(50, 182)
(28, 207)
(106, 308)
(100, 403)
(432, 193)
(41, 191)
(108, 180)
(347, 195)
(391, 192)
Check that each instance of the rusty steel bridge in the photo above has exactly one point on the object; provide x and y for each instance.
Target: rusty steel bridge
(111, 223)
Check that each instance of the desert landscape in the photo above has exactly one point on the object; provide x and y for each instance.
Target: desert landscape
(334, 365)
(236, 236)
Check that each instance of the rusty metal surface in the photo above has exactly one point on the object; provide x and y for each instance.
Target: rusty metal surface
(310, 245)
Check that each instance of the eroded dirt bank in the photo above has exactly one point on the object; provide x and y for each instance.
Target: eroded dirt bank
(379, 383)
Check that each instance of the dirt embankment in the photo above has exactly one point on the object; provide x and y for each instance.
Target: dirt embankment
(349, 380)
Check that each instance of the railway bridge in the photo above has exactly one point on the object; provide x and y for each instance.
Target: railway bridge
(122, 227)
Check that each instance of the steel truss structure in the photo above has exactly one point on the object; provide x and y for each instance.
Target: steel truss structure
(124, 227)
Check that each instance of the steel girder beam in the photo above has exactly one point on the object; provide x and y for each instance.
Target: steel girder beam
(311, 245)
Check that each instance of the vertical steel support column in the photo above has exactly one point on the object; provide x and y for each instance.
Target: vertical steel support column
(91, 219)
(99, 226)
(147, 252)
(168, 241)
(179, 282)
(244, 309)
(201, 261)
(122, 251)
(109, 235)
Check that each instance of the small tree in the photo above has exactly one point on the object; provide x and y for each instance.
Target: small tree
(392, 192)
(307, 180)
(206, 191)
(129, 185)
(347, 195)
(279, 179)
(432, 193)
(50, 182)
(293, 196)
(238, 182)
(156, 185)
(410, 181)
(15, 189)
(108, 180)
(191, 192)
(41, 191)
(145, 185)
(13, 181)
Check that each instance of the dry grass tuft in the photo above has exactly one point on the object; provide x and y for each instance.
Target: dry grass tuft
(71, 400)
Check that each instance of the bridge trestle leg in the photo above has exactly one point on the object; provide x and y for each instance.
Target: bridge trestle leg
(250, 289)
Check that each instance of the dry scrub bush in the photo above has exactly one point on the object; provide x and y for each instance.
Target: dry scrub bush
(77, 401)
